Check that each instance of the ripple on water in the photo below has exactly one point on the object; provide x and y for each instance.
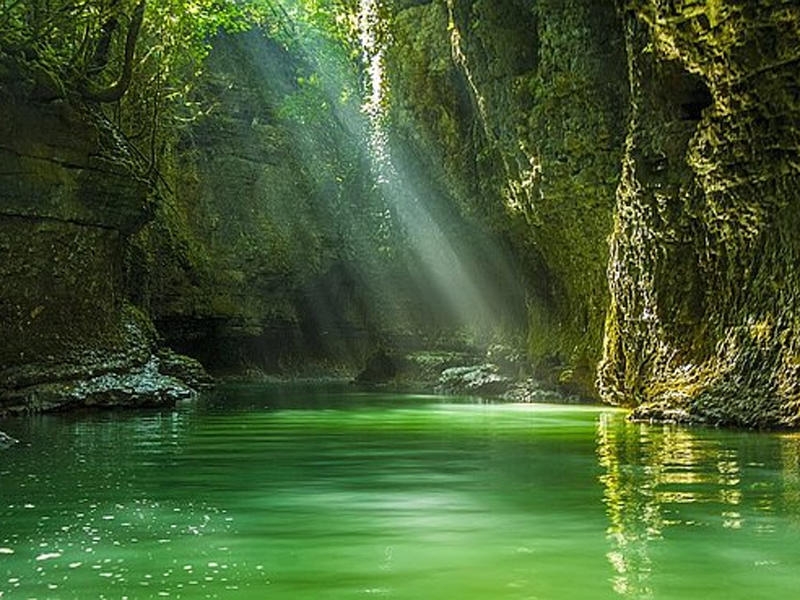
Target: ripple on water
(112, 542)
(396, 500)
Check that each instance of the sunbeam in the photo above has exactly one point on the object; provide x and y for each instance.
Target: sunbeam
(421, 267)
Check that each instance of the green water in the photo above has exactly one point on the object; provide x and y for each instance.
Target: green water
(293, 493)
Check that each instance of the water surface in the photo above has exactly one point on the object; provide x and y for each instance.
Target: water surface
(301, 493)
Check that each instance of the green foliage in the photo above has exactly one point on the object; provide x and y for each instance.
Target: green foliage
(83, 44)
(323, 33)
(82, 39)
(86, 46)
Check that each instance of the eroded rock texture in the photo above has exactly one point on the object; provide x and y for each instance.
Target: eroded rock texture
(525, 106)
(704, 322)
(669, 128)
(70, 195)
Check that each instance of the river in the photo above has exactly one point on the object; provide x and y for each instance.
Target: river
(299, 492)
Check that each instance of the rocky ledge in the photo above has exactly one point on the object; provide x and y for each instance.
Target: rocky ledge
(163, 379)
(496, 372)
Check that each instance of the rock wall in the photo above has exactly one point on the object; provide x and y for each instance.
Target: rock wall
(260, 244)
(69, 198)
(259, 256)
(220, 263)
(519, 108)
(704, 321)
(275, 250)
(668, 129)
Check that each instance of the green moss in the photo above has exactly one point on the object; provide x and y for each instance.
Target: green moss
(538, 93)
(704, 248)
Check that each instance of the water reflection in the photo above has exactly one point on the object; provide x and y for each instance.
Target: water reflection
(252, 497)
(790, 459)
(662, 483)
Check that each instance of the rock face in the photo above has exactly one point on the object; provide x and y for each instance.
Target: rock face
(704, 321)
(70, 197)
(521, 107)
(640, 159)
(275, 251)
(249, 263)
(668, 128)
(6, 441)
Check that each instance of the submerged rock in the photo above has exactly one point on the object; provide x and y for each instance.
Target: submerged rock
(532, 391)
(185, 368)
(6, 441)
(425, 367)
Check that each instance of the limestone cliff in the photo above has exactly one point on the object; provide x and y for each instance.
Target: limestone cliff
(705, 321)
(520, 107)
(71, 194)
(668, 129)
(258, 255)
(639, 158)
(276, 248)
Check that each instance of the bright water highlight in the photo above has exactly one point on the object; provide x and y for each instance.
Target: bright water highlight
(300, 493)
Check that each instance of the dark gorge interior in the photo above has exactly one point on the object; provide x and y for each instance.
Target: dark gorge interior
(566, 199)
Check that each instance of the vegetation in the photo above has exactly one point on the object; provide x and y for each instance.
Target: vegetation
(374, 152)
(142, 60)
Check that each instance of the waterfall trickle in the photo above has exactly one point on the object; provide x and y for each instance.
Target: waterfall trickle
(427, 232)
